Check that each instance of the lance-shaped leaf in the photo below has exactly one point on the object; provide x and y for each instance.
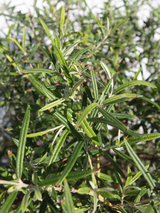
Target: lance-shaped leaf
(115, 165)
(87, 110)
(57, 40)
(105, 91)
(145, 137)
(76, 85)
(89, 131)
(22, 143)
(62, 15)
(24, 39)
(119, 24)
(79, 54)
(53, 104)
(113, 119)
(107, 71)
(47, 31)
(71, 176)
(71, 161)
(151, 102)
(37, 70)
(18, 45)
(123, 116)
(70, 49)
(64, 66)
(134, 83)
(32, 135)
(140, 165)
(8, 203)
(58, 146)
(68, 202)
(62, 119)
(120, 98)
(94, 84)
(42, 89)
(137, 73)
(25, 201)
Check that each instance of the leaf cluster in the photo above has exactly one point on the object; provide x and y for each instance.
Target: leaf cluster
(81, 118)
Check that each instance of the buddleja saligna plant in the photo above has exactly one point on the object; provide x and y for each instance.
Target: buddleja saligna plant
(60, 174)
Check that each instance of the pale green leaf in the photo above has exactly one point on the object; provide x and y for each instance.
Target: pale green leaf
(62, 15)
(53, 104)
(32, 135)
(37, 70)
(24, 39)
(25, 201)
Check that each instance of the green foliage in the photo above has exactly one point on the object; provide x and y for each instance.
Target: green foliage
(74, 91)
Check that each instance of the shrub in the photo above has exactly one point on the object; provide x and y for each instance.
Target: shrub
(76, 108)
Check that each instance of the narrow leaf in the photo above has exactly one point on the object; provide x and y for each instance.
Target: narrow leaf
(64, 66)
(58, 146)
(110, 117)
(24, 39)
(42, 89)
(145, 137)
(120, 98)
(89, 131)
(151, 102)
(71, 161)
(140, 165)
(68, 198)
(32, 135)
(105, 91)
(105, 68)
(115, 165)
(76, 85)
(16, 42)
(94, 84)
(134, 83)
(25, 201)
(79, 54)
(8, 203)
(62, 119)
(137, 74)
(121, 23)
(62, 15)
(53, 104)
(22, 143)
(71, 176)
(37, 70)
(47, 31)
(87, 110)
